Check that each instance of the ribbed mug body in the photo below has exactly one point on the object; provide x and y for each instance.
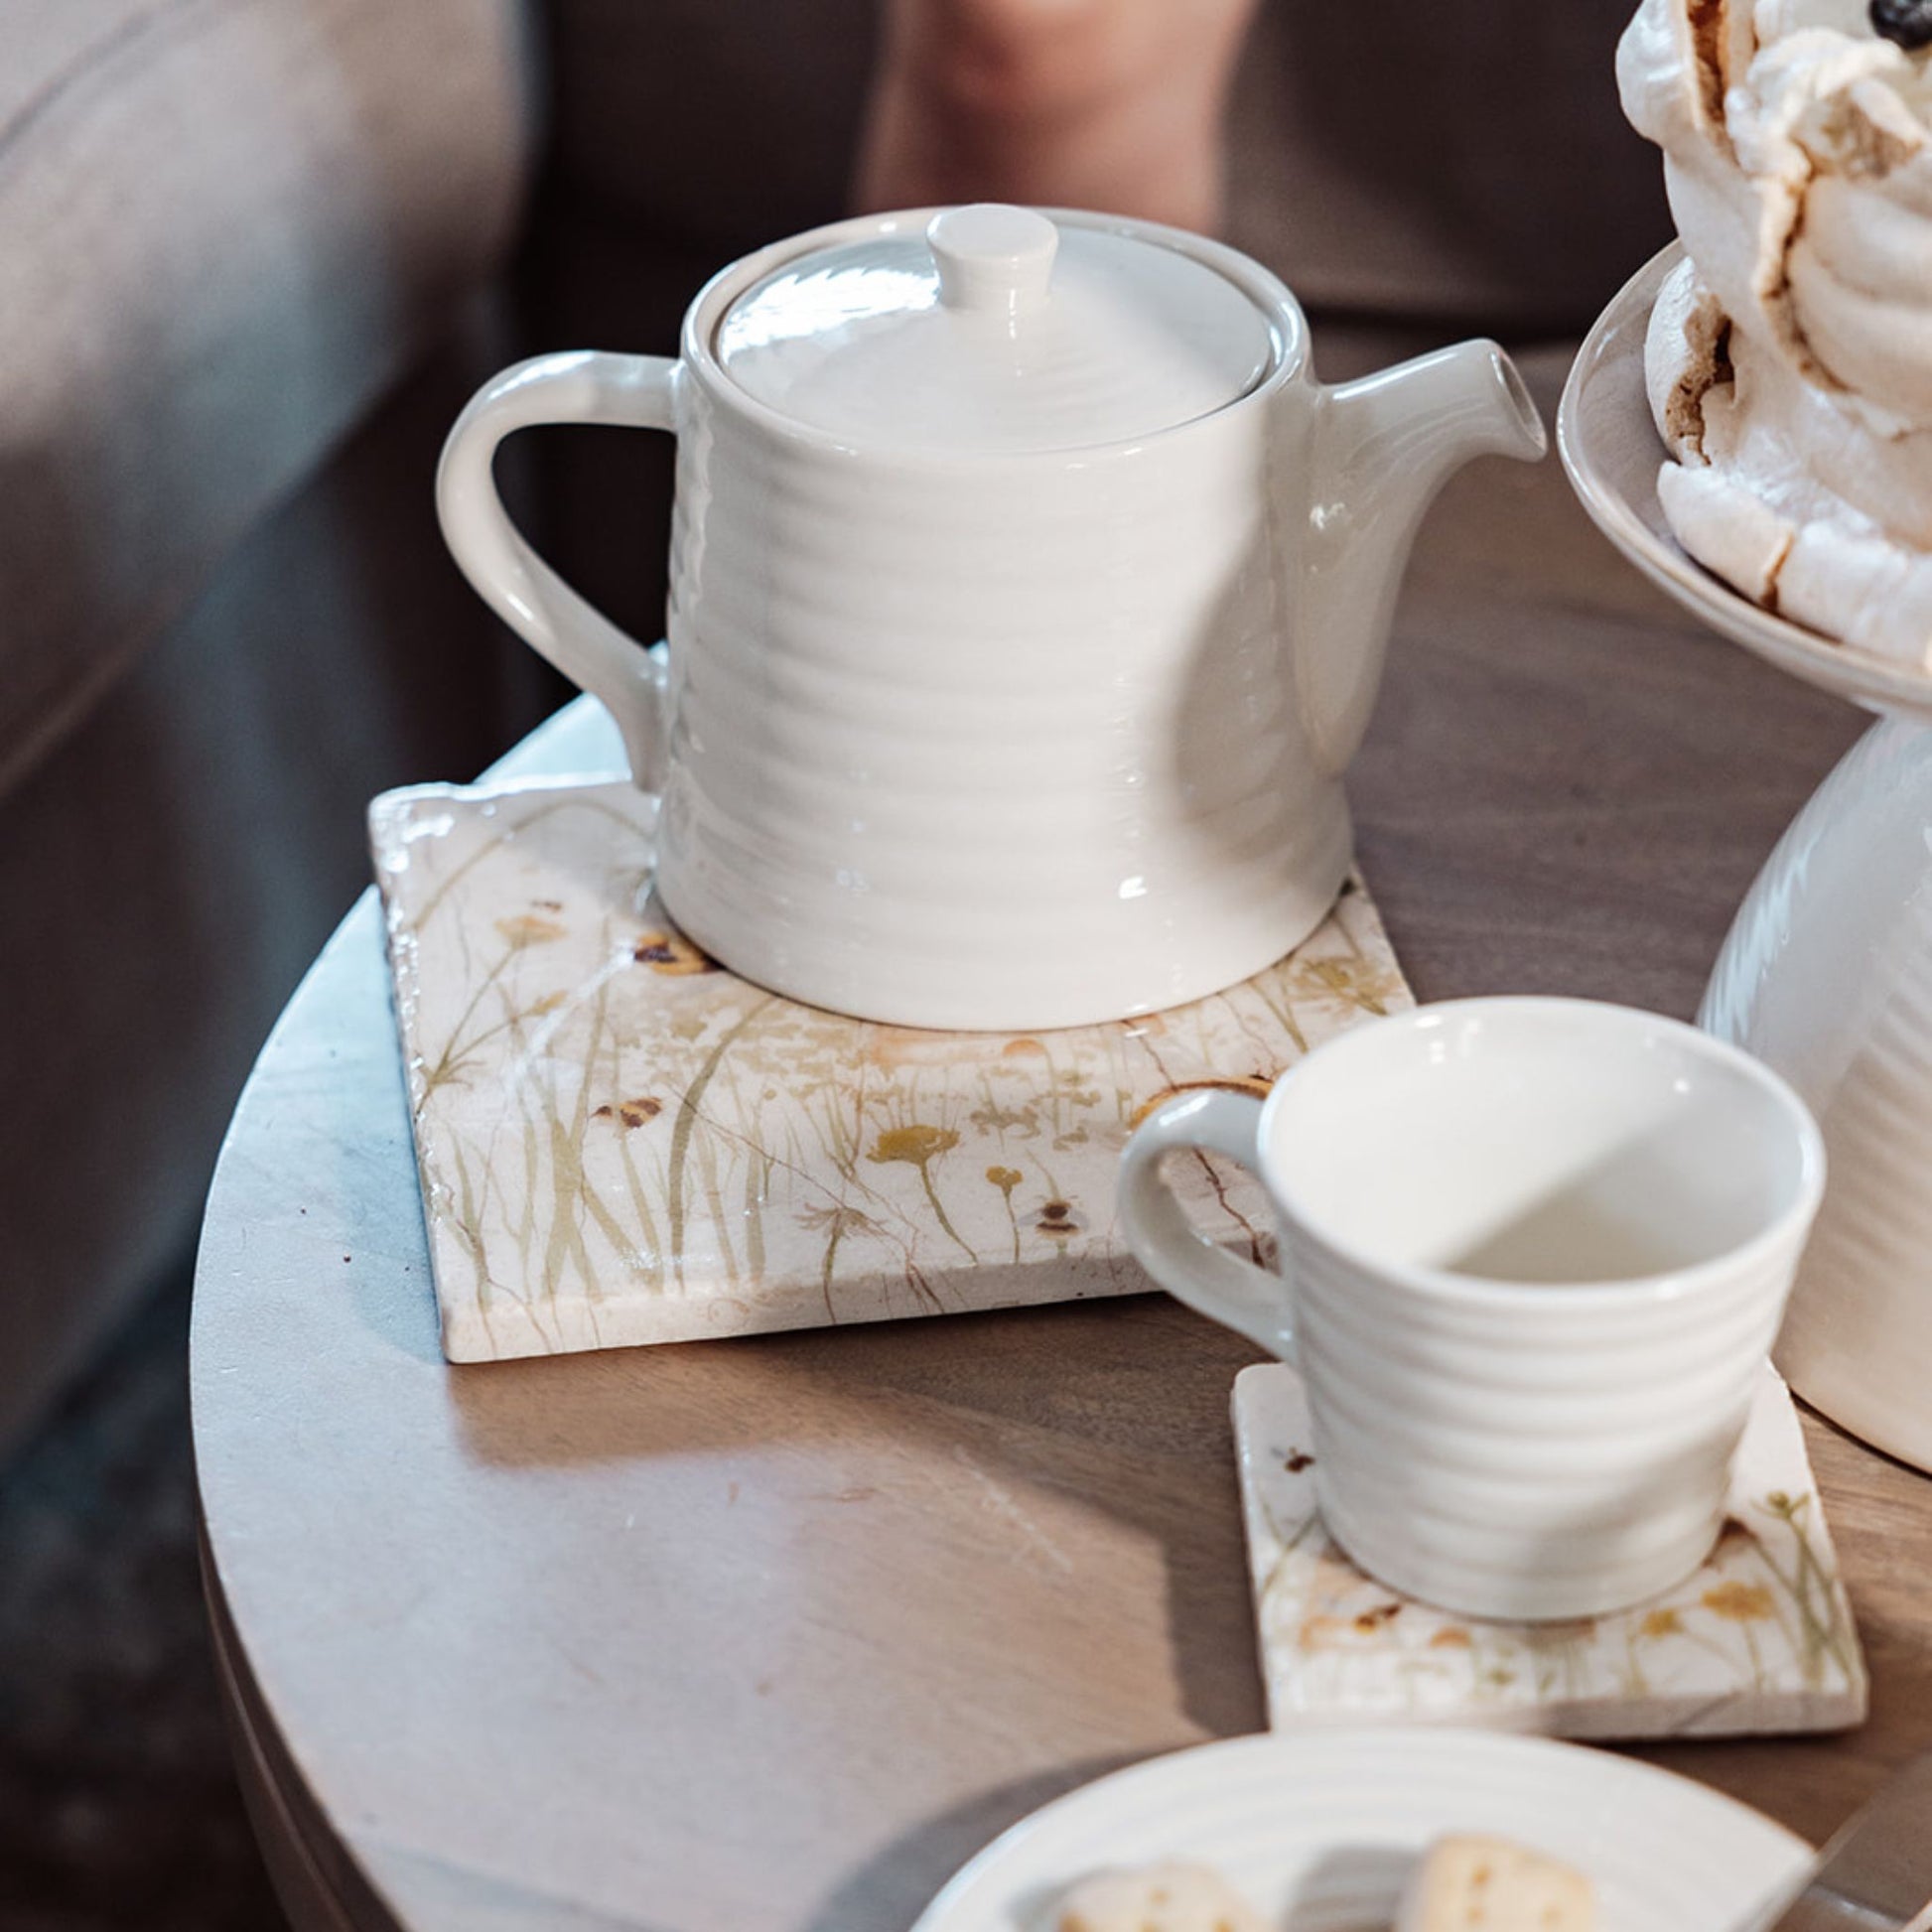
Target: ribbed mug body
(1545, 1454)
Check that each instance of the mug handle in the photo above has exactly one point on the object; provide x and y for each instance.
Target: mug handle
(577, 387)
(1253, 1300)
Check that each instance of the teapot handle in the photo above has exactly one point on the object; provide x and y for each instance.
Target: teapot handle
(577, 387)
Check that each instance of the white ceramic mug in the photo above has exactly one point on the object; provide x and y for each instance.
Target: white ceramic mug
(1027, 598)
(1533, 1254)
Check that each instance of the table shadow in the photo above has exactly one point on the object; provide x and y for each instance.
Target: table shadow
(896, 1885)
(1121, 1403)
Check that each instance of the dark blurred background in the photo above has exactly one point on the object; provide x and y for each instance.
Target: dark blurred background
(253, 256)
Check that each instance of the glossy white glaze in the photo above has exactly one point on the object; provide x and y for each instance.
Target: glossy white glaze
(1827, 974)
(1003, 739)
(1533, 1253)
(994, 332)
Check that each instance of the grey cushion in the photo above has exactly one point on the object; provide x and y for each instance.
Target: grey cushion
(172, 869)
(225, 228)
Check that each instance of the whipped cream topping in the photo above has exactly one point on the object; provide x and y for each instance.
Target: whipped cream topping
(1791, 361)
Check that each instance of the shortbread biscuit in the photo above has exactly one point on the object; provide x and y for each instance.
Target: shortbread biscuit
(1472, 1884)
(1174, 1896)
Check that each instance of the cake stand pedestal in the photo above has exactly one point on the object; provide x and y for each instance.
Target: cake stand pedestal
(1827, 972)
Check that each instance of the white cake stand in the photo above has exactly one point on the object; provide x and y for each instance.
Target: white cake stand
(1827, 973)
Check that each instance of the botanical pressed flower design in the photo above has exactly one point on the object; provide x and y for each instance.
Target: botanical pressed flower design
(1760, 1638)
(1007, 1180)
(917, 1144)
(1738, 1603)
(918, 1147)
(620, 1141)
(1372, 984)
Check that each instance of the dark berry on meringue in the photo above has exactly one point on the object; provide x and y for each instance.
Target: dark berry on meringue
(1907, 23)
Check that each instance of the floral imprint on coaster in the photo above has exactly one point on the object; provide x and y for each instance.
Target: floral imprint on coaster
(621, 1142)
(1759, 1640)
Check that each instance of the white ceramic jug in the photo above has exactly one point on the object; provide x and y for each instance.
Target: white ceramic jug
(1027, 598)
(1827, 975)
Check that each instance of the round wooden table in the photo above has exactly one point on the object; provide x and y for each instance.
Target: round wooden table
(769, 1635)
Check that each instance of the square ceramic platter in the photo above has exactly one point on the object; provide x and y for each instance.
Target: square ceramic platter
(1761, 1639)
(619, 1142)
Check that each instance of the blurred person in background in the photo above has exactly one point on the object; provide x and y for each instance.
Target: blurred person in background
(1456, 162)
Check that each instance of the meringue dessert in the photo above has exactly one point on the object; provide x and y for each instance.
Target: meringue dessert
(1789, 357)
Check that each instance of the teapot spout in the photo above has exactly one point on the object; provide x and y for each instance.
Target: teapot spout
(1383, 447)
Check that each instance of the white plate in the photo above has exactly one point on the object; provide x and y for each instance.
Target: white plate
(1321, 1829)
(1612, 451)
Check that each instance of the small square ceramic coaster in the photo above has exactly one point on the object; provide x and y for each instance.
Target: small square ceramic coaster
(621, 1141)
(1759, 1640)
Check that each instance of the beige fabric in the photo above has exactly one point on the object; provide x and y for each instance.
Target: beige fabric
(225, 227)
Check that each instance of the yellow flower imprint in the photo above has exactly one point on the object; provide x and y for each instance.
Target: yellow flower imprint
(915, 1143)
(919, 1146)
(1739, 1602)
(1661, 1623)
(528, 929)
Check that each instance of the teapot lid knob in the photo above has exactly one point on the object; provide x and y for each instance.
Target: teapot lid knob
(993, 258)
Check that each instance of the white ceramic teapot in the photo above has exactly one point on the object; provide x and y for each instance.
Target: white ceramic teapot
(1028, 596)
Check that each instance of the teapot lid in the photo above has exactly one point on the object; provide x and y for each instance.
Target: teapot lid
(997, 331)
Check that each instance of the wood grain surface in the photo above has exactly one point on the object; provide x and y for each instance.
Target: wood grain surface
(770, 1636)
